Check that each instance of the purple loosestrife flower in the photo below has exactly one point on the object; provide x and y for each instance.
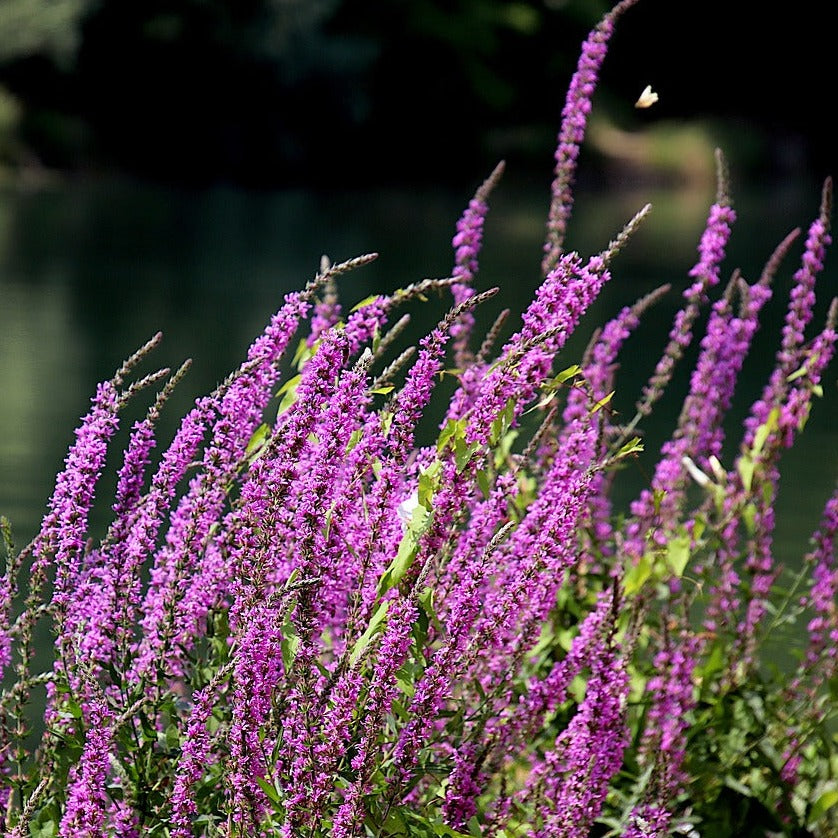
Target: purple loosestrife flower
(327, 310)
(572, 132)
(798, 316)
(382, 529)
(467, 243)
(524, 719)
(559, 304)
(139, 541)
(64, 529)
(700, 431)
(314, 561)
(261, 540)
(671, 698)
(536, 556)
(572, 779)
(705, 273)
(390, 654)
(86, 808)
(195, 756)
(598, 375)
(175, 603)
(822, 652)
(820, 663)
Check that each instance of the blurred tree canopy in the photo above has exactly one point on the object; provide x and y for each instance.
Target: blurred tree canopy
(265, 93)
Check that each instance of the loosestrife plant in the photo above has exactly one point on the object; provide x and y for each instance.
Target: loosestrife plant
(302, 621)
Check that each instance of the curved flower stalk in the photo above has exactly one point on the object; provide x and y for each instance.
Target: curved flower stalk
(95, 623)
(467, 243)
(572, 132)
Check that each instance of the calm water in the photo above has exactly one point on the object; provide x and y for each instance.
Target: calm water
(88, 271)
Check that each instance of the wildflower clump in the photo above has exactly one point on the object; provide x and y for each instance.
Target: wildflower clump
(303, 620)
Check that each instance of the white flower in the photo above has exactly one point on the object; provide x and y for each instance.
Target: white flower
(647, 98)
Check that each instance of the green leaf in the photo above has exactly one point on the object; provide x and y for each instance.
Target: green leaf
(678, 554)
(602, 402)
(822, 805)
(763, 431)
(633, 446)
(270, 791)
(637, 575)
(288, 391)
(289, 645)
(354, 439)
(303, 353)
(746, 467)
(256, 444)
(365, 302)
(798, 373)
(428, 483)
(463, 452)
(47, 828)
(374, 625)
(565, 374)
(452, 429)
(419, 522)
(483, 482)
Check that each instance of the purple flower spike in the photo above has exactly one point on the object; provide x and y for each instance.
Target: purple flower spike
(467, 243)
(572, 132)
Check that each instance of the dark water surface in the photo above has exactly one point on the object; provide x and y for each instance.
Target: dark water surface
(89, 271)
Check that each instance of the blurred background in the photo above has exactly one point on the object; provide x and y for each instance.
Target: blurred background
(181, 164)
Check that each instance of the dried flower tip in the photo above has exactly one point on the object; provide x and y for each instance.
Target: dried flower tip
(131, 362)
(773, 264)
(390, 371)
(489, 184)
(722, 180)
(826, 202)
(492, 336)
(647, 98)
(615, 246)
(336, 270)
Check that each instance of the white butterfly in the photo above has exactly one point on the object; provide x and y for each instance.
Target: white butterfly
(647, 98)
